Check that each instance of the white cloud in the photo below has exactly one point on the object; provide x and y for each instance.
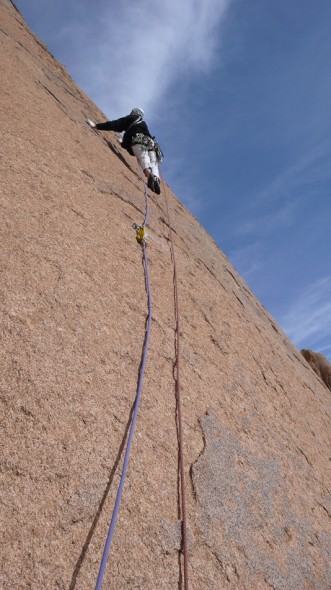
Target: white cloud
(309, 169)
(136, 54)
(265, 224)
(248, 259)
(308, 321)
(284, 196)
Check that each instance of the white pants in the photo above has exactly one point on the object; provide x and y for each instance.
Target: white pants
(146, 159)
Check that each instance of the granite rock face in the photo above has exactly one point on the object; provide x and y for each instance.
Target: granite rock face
(73, 310)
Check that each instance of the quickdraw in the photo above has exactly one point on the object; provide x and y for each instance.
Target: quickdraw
(140, 233)
(158, 151)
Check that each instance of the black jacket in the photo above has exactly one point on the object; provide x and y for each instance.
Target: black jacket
(123, 124)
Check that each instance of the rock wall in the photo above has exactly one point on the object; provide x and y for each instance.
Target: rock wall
(73, 311)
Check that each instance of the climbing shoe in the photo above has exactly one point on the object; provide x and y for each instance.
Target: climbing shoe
(157, 189)
(150, 182)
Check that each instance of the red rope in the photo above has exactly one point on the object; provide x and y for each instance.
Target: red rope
(179, 403)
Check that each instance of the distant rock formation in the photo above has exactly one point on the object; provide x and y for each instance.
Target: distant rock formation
(320, 364)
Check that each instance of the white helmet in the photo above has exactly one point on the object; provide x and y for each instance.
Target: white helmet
(138, 112)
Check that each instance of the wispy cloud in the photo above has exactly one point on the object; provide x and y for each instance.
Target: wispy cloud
(248, 259)
(136, 54)
(278, 204)
(272, 221)
(308, 321)
(326, 350)
(307, 170)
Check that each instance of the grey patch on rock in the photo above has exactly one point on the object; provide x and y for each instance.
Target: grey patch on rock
(170, 536)
(243, 498)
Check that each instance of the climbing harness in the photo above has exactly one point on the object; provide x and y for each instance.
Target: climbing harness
(144, 140)
(141, 231)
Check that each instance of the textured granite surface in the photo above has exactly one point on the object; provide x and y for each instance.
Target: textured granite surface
(73, 310)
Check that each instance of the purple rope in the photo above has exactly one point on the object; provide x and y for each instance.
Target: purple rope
(133, 422)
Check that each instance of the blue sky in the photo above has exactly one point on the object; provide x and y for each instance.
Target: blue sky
(238, 93)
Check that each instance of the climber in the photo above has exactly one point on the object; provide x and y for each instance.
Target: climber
(138, 141)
